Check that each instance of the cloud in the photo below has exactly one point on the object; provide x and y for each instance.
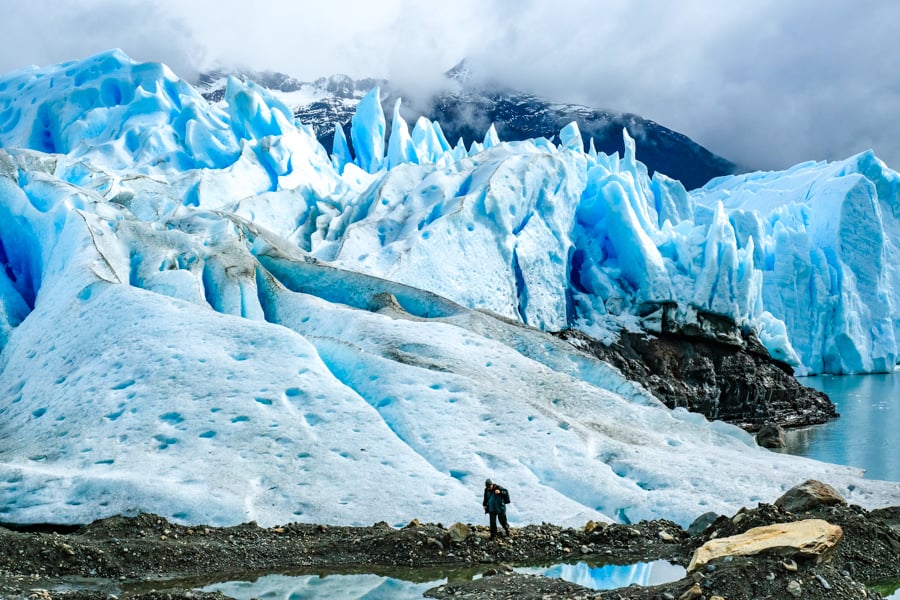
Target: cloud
(767, 84)
(44, 32)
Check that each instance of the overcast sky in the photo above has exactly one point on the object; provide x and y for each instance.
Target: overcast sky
(765, 83)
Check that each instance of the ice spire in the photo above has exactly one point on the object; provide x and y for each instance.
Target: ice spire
(570, 137)
(400, 146)
(490, 137)
(441, 138)
(367, 132)
(340, 152)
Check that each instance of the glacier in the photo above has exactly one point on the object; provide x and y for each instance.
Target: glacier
(206, 315)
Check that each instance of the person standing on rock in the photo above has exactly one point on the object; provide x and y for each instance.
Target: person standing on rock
(495, 500)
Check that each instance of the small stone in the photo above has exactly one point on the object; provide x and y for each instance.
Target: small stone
(692, 594)
(793, 588)
(823, 581)
(585, 550)
(590, 526)
(716, 598)
(789, 566)
(666, 536)
(413, 523)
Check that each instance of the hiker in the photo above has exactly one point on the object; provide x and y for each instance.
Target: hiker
(495, 500)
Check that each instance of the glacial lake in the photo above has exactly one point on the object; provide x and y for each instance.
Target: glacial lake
(865, 435)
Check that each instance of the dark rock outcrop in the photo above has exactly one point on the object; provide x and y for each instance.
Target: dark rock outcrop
(719, 377)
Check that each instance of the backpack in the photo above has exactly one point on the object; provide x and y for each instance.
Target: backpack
(504, 495)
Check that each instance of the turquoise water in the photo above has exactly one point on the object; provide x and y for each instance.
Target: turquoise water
(866, 434)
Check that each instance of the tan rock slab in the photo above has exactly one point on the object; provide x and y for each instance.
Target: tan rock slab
(812, 537)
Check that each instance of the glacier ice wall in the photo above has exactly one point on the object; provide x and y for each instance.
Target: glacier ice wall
(549, 235)
(805, 257)
(826, 238)
(204, 315)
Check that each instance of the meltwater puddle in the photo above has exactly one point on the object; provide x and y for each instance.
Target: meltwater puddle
(610, 577)
(337, 587)
(412, 585)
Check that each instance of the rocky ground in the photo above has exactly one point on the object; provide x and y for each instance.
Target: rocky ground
(146, 557)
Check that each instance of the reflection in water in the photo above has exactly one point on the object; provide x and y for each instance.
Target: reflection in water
(369, 586)
(610, 577)
(337, 587)
(865, 435)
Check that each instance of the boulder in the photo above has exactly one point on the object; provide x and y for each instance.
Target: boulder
(702, 523)
(458, 532)
(771, 435)
(809, 495)
(811, 538)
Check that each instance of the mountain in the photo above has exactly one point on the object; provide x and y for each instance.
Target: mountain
(466, 111)
(205, 315)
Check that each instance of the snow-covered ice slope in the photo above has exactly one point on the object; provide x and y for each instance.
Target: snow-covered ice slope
(204, 315)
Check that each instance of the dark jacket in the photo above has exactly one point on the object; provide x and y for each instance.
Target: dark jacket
(495, 502)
